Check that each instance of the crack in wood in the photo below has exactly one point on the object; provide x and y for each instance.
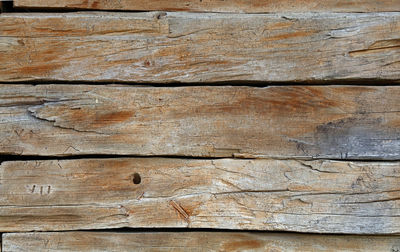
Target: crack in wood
(378, 46)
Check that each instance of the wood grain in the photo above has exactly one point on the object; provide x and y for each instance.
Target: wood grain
(288, 195)
(339, 122)
(161, 47)
(252, 6)
(196, 241)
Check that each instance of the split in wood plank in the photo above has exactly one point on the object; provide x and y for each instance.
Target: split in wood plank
(285, 195)
(196, 241)
(252, 6)
(339, 122)
(160, 47)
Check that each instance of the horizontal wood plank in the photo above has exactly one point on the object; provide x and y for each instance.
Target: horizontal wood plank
(252, 6)
(339, 122)
(304, 196)
(160, 47)
(196, 241)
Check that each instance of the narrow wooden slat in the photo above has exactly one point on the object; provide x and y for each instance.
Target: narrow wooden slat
(252, 6)
(196, 241)
(340, 122)
(161, 47)
(304, 196)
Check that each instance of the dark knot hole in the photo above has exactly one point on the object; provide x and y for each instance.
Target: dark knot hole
(136, 178)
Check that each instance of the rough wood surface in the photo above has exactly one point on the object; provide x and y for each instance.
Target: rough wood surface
(340, 122)
(305, 196)
(252, 6)
(159, 47)
(196, 241)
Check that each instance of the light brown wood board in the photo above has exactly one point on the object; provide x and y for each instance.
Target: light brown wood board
(168, 47)
(280, 195)
(196, 241)
(337, 122)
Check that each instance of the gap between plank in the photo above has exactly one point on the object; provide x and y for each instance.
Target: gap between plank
(250, 83)
(10, 158)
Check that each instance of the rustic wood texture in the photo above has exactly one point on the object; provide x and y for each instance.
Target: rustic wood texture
(340, 122)
(305, 196)
(159, 47)
(252, 6)
(196, 241)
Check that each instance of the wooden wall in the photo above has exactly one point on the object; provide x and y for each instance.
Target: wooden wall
(200, 125)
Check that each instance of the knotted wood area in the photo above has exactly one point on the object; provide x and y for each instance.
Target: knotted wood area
(200, 125)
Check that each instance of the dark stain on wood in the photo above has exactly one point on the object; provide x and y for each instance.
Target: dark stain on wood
(80, 118)
(44, 69)
(109, 118)
(357, 136)
(242, 245)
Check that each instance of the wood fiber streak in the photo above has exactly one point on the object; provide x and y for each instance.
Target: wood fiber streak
(339, 122)
(253, 6)
(285, 195)
(164, 47)
(196, 241)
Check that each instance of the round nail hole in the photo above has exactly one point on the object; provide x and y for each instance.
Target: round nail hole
(136, 178)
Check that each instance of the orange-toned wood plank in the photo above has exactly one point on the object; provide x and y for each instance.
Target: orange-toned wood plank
(196, 47)
(340, 122)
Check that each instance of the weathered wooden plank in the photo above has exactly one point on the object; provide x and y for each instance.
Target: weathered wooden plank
(340, 122)
(196, 241)
(306, 196)
(254, 6)
(160, 47)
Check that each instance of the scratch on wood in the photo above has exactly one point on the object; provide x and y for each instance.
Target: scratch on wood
(72, 147)
(140, 196)
(180, 210)
(127, 211)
